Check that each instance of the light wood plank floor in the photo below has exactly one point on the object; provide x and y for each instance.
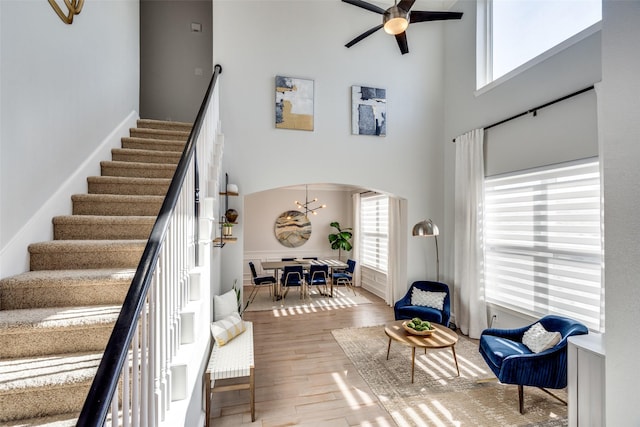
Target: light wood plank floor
(303, 378)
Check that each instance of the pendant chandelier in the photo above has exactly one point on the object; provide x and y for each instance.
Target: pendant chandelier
(307, 206)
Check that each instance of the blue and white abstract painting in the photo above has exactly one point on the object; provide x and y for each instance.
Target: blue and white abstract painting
(368, 111)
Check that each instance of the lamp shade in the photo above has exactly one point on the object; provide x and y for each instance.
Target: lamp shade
(395, 20)
(425, 228)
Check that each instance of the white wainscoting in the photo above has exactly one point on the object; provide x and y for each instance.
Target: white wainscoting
(374, 281)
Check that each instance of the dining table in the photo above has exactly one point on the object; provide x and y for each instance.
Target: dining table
(276, 266)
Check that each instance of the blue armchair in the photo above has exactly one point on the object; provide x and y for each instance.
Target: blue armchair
(514, 363)
(404, 309)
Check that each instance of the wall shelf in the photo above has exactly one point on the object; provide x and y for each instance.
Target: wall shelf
(228, 238)
(225, 240)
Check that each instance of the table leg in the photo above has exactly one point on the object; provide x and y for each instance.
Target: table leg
(388, 348)
(277, 294)
(455, 359)
(413, 362)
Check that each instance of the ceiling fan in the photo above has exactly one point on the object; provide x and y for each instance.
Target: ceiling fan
(396, 19)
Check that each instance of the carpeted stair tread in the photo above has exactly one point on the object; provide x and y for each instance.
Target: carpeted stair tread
(174, 135)
(128, 186)
(52, 387)
(145, 156)
(116, 204)
(62, 420)
(85, 254)
(64, 288)
(57, 317)
(55, 330)
(152, 144)
(164, 124)
(100, 227)
(137, 169)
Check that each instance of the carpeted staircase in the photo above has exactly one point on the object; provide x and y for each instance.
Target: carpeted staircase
(55, 320)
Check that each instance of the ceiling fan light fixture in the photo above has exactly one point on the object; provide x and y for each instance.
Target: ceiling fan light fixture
(395, 20)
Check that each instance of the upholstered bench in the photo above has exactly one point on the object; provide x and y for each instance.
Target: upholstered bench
(232, 360)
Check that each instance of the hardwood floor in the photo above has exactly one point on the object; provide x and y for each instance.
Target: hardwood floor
(303, 378)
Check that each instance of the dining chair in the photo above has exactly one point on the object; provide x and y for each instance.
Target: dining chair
(258, 282)
(292, 276)
(345, 277)
(318, 275)
(288, 259)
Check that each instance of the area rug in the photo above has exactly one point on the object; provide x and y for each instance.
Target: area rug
(438, 397)
(342, 298)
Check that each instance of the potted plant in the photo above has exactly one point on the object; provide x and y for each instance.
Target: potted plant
(340, 240)
(227, 229)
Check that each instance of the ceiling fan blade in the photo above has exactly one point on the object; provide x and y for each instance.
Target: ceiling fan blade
(363, 35)
(363, 4)
(406, 4)
(424, 15)
(402, 42)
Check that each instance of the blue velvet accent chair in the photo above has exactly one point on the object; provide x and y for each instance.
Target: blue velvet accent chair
(403, 309)
(345, 277)
(258, 282)
(513, 363)
(292, 276)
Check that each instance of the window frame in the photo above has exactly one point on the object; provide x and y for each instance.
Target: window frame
(484, 49)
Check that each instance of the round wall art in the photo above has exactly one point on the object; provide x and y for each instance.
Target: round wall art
(292, 229)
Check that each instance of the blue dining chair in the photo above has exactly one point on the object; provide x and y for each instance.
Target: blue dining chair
(345, 277)
(258, 282)
(317, 276)
(292, 276)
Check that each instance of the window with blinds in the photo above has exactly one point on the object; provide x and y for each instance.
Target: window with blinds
(374, 231)
(543, 242)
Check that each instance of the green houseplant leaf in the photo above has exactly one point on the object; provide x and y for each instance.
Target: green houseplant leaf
(341, 239)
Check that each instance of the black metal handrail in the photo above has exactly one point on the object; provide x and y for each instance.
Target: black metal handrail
(96, 406)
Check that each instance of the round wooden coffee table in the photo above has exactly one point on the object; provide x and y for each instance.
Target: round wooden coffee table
(442, 337)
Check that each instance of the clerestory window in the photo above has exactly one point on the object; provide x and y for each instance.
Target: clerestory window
(515, 34)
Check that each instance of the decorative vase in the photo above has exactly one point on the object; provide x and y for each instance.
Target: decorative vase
(231, 215)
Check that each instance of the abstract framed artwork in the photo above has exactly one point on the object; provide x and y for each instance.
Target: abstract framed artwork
(292, 229)
(294, 103)
(368, 111)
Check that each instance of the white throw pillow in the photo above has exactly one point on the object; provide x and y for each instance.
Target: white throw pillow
(538, 339)
(224, 305)
(227, 329)
(428, 298)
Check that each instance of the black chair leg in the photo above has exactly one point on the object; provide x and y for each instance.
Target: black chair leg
(521, 398)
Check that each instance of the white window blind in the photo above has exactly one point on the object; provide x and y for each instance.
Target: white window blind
(543, 245)
(374, 231)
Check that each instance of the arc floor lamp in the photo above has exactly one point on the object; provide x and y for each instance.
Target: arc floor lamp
(427, 228)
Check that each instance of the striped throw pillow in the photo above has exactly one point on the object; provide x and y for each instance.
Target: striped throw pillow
(227, 329)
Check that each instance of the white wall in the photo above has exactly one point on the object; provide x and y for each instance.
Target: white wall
(256, 40)
(65, 89)
(620, 132)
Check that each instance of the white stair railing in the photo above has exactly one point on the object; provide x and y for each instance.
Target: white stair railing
(135, 384)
